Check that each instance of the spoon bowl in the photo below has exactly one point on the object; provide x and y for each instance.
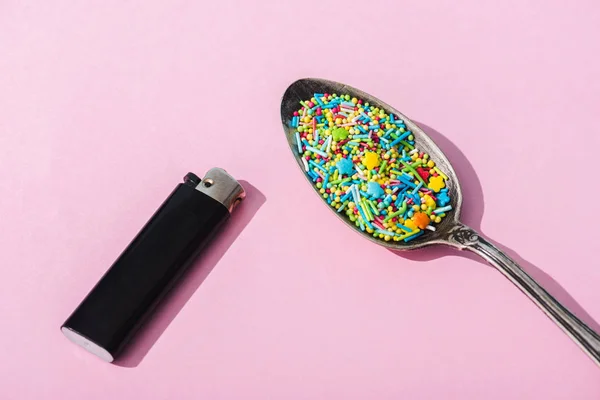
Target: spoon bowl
(450, 231)
(305, 88)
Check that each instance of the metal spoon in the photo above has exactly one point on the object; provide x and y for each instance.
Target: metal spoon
(450, 231)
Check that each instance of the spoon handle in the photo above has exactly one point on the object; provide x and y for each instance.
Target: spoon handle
(465, 238)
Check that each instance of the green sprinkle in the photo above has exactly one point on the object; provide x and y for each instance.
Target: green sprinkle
(374, 207)
(341, 181)
(366, 210)
(410, 146)
(400, 211)
(411, 169)
(382, 167)
(339, 134)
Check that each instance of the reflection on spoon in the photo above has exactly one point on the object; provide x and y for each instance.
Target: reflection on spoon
(447, 231)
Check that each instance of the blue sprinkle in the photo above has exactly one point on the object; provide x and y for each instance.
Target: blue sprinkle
(299, 143)
(345, 166)
(404, 228)
(316, 151)
(442, 209)
(375, 190)
(443, 198)
(400, 138)
(346, 196)
(311, 162)
(407, 182)
(418, 187)
(408, 239)
(399, 200)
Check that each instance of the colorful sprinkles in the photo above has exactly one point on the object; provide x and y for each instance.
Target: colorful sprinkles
(366, 165)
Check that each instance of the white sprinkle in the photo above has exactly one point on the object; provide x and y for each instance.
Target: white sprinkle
(316, 151)
(305, 164)
(431, 228)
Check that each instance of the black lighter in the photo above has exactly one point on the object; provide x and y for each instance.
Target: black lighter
(110, 314)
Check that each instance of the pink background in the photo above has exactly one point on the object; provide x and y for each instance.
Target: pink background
(104, 106)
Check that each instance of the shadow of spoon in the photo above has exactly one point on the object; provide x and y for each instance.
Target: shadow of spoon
(472, 214)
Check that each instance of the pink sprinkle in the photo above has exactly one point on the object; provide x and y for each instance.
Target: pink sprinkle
(319, 111)
(326, 94)
(378, 223)
(319, 180)
(310, 104)
(360, 102)
(321, 141)
(296, 113)
(327, 190)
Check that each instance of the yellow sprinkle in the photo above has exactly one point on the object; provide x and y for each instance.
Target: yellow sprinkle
(409, 234)
(441, 173)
